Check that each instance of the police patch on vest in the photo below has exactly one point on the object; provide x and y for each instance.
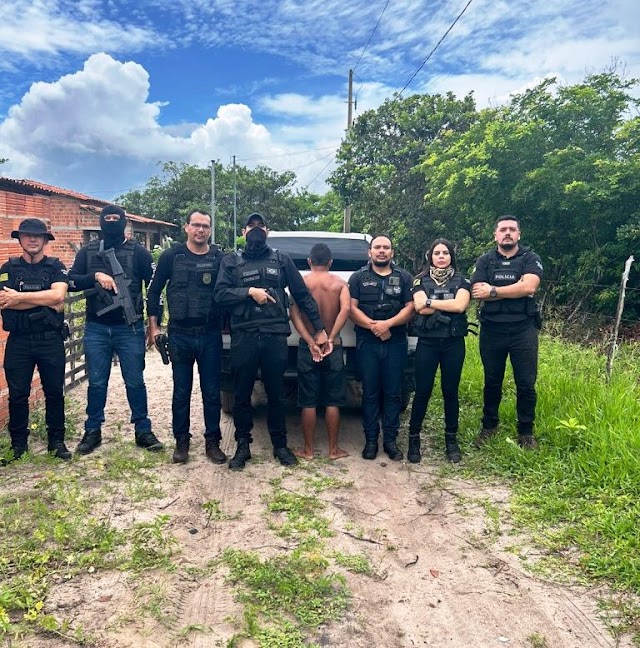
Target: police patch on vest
(206, 278)
(394, 281)
(369, 283)
(505, 276)
(273, 271)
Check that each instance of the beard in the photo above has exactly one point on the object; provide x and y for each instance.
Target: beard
(509, 245)
(381, 264)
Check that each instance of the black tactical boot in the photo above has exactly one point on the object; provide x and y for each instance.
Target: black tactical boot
(413, 453)
(242, 455)
(59, 450)
(484, 435)
(90, 441)
(285, 456)
(370, 450)
(181, 453)
(148, 441)
(393, 452)
(527, 441)
(213, 452)
(15, 453)
(452, 449)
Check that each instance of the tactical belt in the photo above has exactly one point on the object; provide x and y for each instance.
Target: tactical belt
(192, 330)
(43, 335)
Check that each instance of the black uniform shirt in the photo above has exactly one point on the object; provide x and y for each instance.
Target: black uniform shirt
(162, 275)
(228, 294)
(79, 279)
(406, 283)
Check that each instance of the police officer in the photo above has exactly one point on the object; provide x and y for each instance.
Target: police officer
(109, 333)
(189, 270)
(252, 285)
(441, 295)
(32, 299)
(505, 280)
(381, 306)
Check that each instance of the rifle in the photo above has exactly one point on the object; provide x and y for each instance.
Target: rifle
(162, 344)
(121, 299)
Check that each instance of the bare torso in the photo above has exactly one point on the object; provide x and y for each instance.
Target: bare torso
(326, 289)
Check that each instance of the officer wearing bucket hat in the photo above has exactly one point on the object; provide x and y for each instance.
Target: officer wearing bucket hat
(33, 288)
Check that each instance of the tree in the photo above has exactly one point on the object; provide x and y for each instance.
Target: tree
(377, 167)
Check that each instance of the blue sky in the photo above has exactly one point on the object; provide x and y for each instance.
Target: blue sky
(94, 94)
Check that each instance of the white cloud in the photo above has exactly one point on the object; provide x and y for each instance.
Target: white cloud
(32, 29)
(99, 124)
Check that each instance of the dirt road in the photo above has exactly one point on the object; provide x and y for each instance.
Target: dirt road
(447, 569)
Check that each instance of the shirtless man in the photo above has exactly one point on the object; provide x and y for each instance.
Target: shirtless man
(321, 377)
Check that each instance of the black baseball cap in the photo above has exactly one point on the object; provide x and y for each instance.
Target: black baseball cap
(255, 217)
(33, 226)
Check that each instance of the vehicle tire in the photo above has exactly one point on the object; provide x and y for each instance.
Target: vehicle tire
(227, 400)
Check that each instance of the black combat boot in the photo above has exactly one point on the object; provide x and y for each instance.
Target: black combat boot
(213, 452)
(285, 456)
(90, 441)
(370, 450)
(527, 441)
(393, 452)
(148, 441)
(56, 446)
(413, 453)
(181, 453)
(452, 449)
(18, 448)
(242, 455)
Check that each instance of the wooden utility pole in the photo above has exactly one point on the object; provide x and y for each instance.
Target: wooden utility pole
(213, 202)
(347, 209)
(235, 205)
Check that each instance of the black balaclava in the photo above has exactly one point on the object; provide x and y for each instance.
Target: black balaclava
(256, 243)
(113, 232)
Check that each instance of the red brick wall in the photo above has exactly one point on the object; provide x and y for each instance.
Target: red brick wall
(67, 221)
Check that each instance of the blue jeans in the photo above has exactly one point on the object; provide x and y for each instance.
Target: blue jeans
(101, 341)
(206, 350)
(381, 366)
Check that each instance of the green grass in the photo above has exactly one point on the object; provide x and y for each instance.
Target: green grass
(580, 493)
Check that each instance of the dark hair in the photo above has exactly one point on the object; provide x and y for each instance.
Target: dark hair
(504, 218)
(429, 255)
(448, 244)
(196, 211)
(381, 236)
(320, 255)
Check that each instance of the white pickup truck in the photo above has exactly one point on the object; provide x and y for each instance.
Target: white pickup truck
(350, 253)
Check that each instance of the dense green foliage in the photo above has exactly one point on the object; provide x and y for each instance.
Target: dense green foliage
(565, 160)
(182, 188)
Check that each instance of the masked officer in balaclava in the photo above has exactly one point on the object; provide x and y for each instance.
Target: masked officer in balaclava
(109, 333)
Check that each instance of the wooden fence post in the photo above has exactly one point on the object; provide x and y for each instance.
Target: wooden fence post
(614, 341)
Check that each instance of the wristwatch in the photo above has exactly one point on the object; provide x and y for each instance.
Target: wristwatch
(493, 292)
(428, 303)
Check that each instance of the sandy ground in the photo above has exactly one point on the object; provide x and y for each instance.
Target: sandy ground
(445, 575)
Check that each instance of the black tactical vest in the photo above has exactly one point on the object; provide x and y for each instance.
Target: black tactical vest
(380, 297)
(506, 272)
(190, 289)
(125, 254)
(268, 273)
(439, 324)
(24, 278)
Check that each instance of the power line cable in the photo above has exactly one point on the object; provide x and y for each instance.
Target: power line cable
(268, 157)
(431, 53)
(324, 168)
(371, 35)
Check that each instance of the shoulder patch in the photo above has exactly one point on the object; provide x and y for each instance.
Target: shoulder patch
(4, 276)
(416, 282)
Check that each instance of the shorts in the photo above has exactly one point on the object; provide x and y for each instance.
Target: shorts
(321, 383)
